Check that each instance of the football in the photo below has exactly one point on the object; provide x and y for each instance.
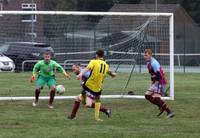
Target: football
(131, 93)
(60, 89)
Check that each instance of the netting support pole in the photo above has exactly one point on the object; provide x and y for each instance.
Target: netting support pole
(108, 42)
(95, 46)
(171, 41)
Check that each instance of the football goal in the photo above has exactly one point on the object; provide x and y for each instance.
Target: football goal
(75, 36)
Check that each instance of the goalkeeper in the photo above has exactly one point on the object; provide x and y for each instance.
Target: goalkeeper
(45, 69)
(85, 97)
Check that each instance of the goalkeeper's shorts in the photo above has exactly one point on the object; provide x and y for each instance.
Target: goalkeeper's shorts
(41, 81)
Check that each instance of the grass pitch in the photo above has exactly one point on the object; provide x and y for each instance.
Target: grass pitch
(131, 118)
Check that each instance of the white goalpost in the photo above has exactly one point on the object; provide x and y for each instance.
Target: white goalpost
(75, 36)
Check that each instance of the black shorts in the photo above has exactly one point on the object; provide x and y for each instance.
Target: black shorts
(90, 91)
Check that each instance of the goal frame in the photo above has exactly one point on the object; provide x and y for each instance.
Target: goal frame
(171, 44)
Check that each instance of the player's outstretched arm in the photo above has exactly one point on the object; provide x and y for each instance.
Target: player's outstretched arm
(62, 70)
(80, 75)
(112, 74)
(67, 75)
(32, 78)
(35, 71)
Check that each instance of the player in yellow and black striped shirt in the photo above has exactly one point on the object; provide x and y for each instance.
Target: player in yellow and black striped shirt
(99, 68)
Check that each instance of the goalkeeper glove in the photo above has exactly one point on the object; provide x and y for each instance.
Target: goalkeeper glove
(67, 75)
(32, 78)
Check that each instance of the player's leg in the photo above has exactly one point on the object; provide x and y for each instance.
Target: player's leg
(52, 84)
(154, 96)
(150, 98)
(90, 103)
(80, 98)
(162, 105)
(37, 93)
(105, 111)
(40, 84)
(75, 107)
(83, 96)
(148, 94)
(97, 106)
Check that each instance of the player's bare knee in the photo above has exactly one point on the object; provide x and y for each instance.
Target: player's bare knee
(79, 98)
(53, 88)
(88, 105)
(148, 95)
(89, 102)
(156, 95)
(38, 88)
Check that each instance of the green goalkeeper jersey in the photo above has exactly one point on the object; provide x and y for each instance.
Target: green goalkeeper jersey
(47, 69)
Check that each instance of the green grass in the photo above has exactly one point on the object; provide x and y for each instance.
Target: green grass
(131, 118)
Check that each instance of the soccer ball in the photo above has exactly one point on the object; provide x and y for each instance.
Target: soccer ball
(60, 89)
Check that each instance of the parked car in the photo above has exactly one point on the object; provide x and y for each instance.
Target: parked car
(6, 64)
(21, 51)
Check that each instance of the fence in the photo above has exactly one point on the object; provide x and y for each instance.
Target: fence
(193, 64)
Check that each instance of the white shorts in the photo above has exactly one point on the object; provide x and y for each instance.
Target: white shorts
(157, 88)
(89, 98)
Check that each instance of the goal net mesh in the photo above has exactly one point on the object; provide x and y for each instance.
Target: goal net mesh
(75, 38)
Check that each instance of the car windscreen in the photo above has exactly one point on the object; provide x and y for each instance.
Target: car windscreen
(41, 45)
(4, 48)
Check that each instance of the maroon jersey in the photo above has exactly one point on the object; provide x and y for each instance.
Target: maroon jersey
(156, 71)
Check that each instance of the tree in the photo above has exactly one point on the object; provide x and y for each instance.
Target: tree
(191, 6)
(85, 5)
(60, 5)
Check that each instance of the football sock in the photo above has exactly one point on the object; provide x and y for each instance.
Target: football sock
(52, 94)
(75, 108)
(149, 98)
(102, 108)
(37, 93)
(161, 104)
(167, 109)
(97, 108)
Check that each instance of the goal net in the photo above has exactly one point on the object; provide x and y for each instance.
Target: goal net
(75, 36)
